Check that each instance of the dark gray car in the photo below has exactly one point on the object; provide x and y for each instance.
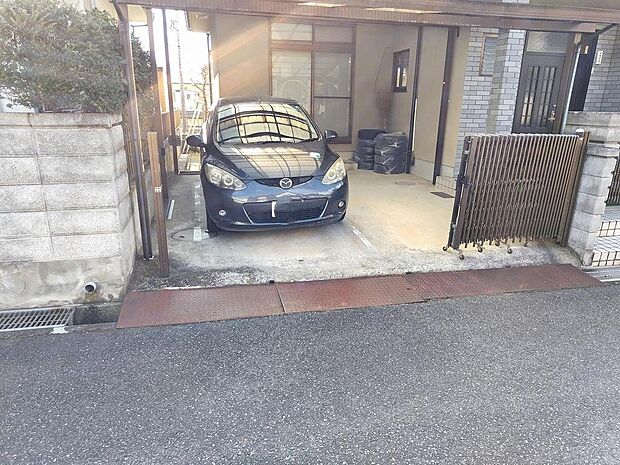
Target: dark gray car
(265, 165)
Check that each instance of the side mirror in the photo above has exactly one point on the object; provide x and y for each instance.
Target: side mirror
(330, 135)
(195, 141)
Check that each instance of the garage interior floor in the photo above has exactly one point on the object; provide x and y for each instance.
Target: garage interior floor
(394, 225)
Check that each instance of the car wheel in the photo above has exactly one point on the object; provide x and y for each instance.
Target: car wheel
(212, 228)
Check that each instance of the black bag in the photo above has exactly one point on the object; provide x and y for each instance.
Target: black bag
(390, 153)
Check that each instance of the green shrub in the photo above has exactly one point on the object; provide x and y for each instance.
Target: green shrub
(56, 58)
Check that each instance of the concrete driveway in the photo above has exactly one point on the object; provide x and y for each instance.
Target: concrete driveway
(532, 378)
(394, 224)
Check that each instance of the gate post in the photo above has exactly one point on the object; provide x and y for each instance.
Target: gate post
(596, 177)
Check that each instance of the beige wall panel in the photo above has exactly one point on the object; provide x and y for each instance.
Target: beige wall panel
(429, 101)
(241, 55)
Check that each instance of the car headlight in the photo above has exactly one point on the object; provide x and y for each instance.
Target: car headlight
(221, 178)
(335, 173)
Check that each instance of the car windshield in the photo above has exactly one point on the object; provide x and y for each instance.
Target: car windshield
(263, 123)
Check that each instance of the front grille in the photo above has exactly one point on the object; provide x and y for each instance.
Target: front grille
(16, 320)
(275, 182)
(296, 210)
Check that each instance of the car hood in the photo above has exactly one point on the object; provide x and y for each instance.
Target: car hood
(269, 161)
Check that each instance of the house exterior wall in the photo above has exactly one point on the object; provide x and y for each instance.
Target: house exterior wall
(241, 66)
(374, 46)
(66, 215)
(604, 88)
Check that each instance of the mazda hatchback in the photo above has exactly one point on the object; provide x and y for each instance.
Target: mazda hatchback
(266, 165)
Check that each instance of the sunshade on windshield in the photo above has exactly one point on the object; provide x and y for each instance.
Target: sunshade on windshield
(259, 122)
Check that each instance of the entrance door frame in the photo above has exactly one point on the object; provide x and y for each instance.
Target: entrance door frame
(564, 82)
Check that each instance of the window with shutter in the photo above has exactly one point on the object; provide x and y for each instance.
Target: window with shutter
(487, 61)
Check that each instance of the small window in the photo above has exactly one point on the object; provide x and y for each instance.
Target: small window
(400, 70)
(333, 34)
(487, 60)
(547, 42)
(291, 31)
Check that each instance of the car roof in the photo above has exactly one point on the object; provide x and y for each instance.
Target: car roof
(234, 100)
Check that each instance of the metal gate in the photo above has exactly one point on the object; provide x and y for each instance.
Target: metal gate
(516, 187)
(614, 189)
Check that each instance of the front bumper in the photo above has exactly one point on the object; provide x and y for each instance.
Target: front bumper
(261, 207)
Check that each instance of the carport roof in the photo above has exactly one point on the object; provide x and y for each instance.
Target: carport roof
(436, 12)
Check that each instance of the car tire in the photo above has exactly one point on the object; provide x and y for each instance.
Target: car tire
(366, 143)
(212, 228)
(365, 165)
(366, 150)
(369, 134)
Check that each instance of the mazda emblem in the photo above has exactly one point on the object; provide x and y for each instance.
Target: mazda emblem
(286, 183)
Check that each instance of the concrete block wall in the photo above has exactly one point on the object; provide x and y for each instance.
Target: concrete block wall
(66, 215)
(603, 151)
(604, 88)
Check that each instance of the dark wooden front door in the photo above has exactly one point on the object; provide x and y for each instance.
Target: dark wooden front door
(537, 99)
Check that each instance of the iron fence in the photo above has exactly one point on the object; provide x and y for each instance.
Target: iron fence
(516, 187)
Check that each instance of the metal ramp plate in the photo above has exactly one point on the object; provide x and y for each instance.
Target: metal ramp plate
(336, 294)
(499, 281)
(177, 306)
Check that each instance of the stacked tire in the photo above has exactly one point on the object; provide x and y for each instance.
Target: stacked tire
(390, 153)
(365, 152)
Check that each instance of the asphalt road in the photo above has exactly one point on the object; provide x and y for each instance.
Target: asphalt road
(517, 379)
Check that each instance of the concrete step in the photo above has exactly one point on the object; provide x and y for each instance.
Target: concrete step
(606, 274)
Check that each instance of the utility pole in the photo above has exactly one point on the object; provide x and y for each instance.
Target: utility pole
(175, 26)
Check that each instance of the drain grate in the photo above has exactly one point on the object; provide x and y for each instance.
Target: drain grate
(38, 318)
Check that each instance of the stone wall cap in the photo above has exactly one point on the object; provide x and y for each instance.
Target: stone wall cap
(602, 150)
(60, 119)
(593, 118)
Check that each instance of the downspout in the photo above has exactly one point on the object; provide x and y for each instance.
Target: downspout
(134, 129)
(569, 94)
(414, 97)
(445, 100)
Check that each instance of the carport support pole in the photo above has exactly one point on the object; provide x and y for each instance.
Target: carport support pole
(445, 101)
(160, 126)
(173, 135)
(134, 129)
(414, 97)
